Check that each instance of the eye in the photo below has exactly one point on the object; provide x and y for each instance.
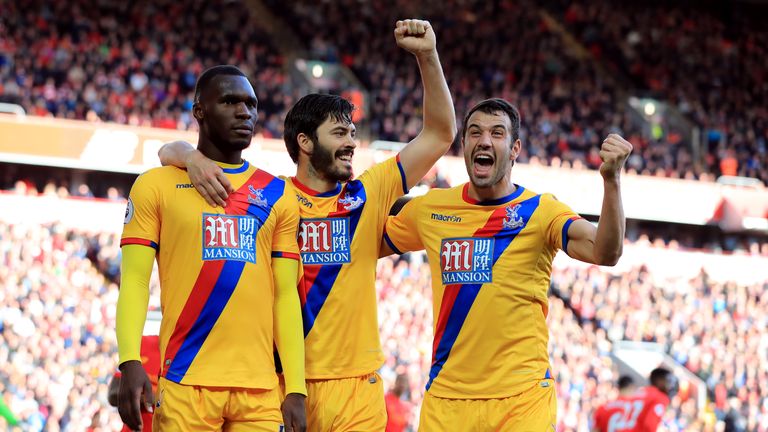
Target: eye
(498, 134)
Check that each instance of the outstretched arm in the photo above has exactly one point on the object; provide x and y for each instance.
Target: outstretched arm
(603, 245)
(439, 124)
(208, 178)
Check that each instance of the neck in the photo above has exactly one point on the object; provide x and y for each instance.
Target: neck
(499, 190)
(214, 152)
(312, 179)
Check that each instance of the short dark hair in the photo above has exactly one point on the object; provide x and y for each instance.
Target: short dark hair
(625, 381)
(308, 113)
(212, 72)
(659, 374)
(491, 106)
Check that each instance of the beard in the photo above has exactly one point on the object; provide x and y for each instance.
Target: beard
(323, 161)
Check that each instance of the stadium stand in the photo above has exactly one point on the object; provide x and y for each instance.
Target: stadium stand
(708, 59)
(134, 63)
(52, 67)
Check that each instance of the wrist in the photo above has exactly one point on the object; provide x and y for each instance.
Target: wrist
(191, 156)
(126, 364)
(611, 178)
(427, 55)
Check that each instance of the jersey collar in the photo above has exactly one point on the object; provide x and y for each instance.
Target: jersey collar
(309, 191)
(494, 202)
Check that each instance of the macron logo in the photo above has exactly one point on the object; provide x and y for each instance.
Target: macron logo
(184, 185)
(445, 218)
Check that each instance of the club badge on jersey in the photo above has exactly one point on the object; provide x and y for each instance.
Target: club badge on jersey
(324, 241)
(229, 237)
(466, 260)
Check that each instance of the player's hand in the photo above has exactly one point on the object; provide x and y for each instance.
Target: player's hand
(208, 178)
(614, 153)
(415, 36)
(135, 389)
(294, 413)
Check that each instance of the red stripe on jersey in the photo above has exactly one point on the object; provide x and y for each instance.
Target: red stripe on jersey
(446, 306)
(237, 204)
(492, 226)
(204, 284)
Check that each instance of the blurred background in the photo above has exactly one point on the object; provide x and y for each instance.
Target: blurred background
(89, 90)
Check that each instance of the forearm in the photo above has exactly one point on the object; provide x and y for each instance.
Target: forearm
(609, 240)
(439, 114)
(176, 153)
(289, 336)
(136, 269)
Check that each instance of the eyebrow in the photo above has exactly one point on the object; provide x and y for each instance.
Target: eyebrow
(498, 125)
(343, 128)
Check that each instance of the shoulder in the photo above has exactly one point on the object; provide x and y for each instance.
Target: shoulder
(162, 174)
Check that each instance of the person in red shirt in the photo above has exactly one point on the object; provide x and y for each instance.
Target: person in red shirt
(150, 360)
(641, 411)
(626, 388)
(398, 411)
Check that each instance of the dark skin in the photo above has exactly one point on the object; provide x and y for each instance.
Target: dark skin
(226, 112)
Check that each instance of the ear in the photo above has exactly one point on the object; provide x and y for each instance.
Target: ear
(517, 146)
(306, 145)
(197, 111)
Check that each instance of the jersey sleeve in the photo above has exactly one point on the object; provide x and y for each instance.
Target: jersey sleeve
(559, 218)
(401, 231)
(142, 214)
(284, 239)
(387, 181)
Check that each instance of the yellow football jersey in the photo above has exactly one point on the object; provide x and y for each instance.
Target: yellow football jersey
(339, 239)
(491, 263)
(217, 290)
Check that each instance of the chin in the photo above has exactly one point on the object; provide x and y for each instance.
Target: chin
(240, 144)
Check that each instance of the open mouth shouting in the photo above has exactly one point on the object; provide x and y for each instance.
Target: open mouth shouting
(482, 164)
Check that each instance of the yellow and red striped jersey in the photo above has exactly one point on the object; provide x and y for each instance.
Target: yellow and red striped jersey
(491, 263)
(217, 290)
(339, 241)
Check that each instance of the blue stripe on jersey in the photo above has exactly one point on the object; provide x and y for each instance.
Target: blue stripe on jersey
(222, 291)
(402, 174)
(238, 170)
(566, 225)
(391, 244)
(468, 292)
(225, 286)
(326, 277)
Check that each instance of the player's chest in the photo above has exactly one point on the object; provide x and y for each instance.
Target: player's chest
(231, 235)
(475, 247)
(329, 228)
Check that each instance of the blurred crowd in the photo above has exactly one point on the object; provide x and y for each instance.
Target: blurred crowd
(716, 330)
(58, 350)
(132, 62)
(709, 61)
(58, 291)
(137, 62)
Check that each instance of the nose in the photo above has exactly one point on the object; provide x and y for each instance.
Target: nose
(485, 139)
(243, 112)
(351, 142)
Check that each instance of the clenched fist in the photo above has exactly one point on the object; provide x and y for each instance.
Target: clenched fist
(415, 36)
(614, 153)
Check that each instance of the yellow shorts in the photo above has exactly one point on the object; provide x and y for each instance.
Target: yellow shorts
(193, 408)
(534, 410)
(346, 404)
